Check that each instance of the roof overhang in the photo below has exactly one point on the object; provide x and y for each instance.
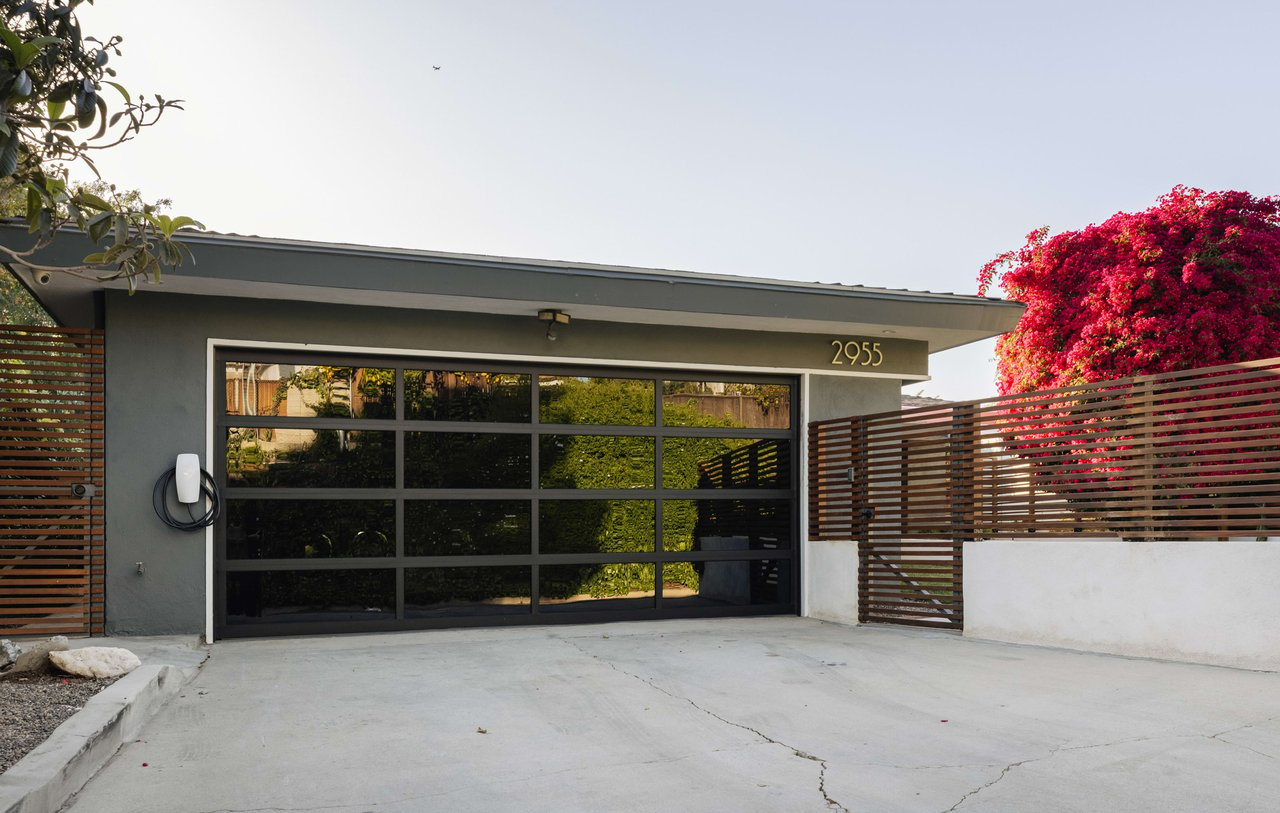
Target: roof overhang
(260, 268)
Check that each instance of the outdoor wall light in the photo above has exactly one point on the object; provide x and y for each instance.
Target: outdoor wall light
(553, 318)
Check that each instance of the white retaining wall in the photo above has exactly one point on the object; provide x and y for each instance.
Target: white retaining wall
(831, 581)
(1202, 601)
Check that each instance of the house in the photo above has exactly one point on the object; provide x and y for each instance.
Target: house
(406, 439)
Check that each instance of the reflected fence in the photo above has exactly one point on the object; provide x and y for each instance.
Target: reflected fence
(1185, 455)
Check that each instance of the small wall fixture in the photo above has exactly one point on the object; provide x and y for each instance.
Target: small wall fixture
(553, 318)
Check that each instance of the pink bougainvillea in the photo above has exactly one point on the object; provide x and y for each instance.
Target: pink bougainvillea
(1191, 282)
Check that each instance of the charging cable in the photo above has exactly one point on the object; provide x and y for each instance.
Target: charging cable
(208, 490)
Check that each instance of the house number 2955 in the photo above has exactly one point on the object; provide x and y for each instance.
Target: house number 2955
(863, 354)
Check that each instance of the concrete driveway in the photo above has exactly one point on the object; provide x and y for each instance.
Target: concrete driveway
(779, 714)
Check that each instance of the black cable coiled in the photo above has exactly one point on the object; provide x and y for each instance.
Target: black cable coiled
(208, 488)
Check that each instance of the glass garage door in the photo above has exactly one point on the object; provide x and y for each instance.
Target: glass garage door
(374, 493)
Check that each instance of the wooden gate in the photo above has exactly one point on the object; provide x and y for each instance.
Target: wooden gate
(855, 468)
(51, 481)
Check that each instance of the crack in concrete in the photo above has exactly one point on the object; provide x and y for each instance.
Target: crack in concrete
(1053, 751)
(1219, 737)
(1057, 749)
(831, 804)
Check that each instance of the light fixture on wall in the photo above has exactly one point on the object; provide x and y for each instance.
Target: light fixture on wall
(553, 318)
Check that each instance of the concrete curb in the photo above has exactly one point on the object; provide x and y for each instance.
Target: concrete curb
(45, 778)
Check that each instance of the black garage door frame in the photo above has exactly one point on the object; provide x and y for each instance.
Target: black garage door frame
(780, 562)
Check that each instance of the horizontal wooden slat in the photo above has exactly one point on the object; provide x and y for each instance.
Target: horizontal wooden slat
(1191, 454)
(52, 557)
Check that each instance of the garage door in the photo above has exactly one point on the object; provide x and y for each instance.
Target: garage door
(372, 493)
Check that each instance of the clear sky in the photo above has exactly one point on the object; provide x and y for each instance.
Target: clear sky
(895, 144)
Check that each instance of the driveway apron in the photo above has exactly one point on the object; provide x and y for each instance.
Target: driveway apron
(773, 714)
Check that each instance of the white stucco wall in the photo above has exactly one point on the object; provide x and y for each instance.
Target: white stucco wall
(831, 581)
(1203, 601)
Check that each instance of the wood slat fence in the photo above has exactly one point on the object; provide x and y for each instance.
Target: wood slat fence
(51, 438)
(1186, 455)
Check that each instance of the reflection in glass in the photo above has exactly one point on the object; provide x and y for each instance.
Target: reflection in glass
(595, 526)
(726, 463)
(466, 527)
(310, 529)
(466, 460)
(450, 592)
(309, 390)
(726, 403)
(595, 461)
(689, 525)
(443, 395)
(618, 586)
(720, 583)
(310, 458)
(613, 401)
(275, 596)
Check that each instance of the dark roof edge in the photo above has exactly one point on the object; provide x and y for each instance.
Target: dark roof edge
(590, 269)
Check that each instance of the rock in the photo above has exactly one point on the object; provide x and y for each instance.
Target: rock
(35, 660)
(96, 661)
(9, 652)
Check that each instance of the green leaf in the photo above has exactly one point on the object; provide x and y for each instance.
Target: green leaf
(64, 92)
(24, 53)
(9, 156)
(181, 222)
(86, 107)
(56, 108)
(97, 258)
(89, 199)
(41, 42)
(123, 92)
(12, 40)
(102, 118)
(35, 204)
(99, 226)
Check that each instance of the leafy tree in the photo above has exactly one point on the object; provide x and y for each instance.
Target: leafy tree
(1193, 281)
(53, 115)
(17, 305)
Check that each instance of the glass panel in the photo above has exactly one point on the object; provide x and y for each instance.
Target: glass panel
(310, 529)
(466, 527)
(309, 390)
(443, 395)
(595, 526)
(726, 403)
(301, 596)
(595, 461)
(708, 584)
(567, 588)
(615, 401)
(726, 463)
(450, 592)
(310, 458)
(726, 525)
(466, 460)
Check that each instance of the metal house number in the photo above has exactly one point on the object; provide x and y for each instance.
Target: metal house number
(863, 354)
